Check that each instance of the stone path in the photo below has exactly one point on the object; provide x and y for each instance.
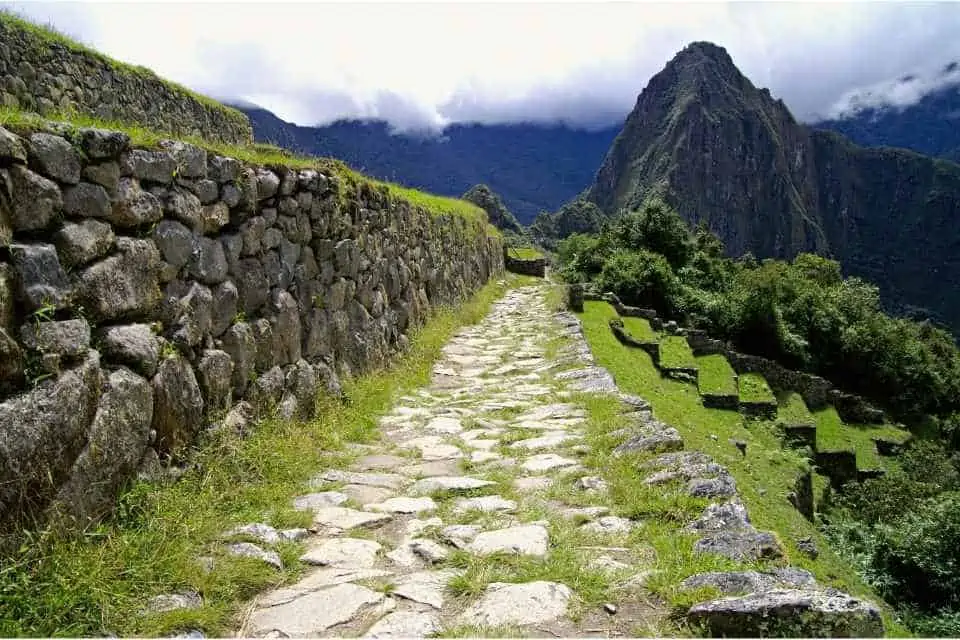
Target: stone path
(457, 521)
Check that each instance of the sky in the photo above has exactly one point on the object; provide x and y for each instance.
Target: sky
(426, 65)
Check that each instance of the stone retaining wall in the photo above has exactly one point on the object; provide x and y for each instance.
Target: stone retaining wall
(144, 292)
(42, 73)
(536, 267)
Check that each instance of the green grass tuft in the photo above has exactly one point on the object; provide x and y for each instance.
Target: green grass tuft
(640, 329)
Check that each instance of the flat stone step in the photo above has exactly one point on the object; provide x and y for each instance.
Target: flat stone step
(529, 540)
(351, 553)
(346, 518)
(518, 604)
(405, 624)
(547, 462)
(448, 483)
(385, 480)
(403, 505)
(486, 504)
(313, 612)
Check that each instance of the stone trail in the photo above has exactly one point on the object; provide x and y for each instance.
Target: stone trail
(468, 466)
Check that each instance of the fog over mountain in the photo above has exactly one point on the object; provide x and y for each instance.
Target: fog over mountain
(424, 66)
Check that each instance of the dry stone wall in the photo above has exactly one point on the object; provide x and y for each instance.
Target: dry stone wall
(145, 292)
(41, 73)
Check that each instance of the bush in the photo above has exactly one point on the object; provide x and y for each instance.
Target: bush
(920, 555)
(640, 278)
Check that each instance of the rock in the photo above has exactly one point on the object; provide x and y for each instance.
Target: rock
(344, 518)
(444, 424)
(175, 242)
(116, 441)
(405, 624)
(524, 540)
(790, 612)
(723, 486)
(403, 505)
(43, 431)
(134, 207)
(425, 587)
(250, 550)
(40, 278)
(190, 313)
(174, 601)
(486, 504)
(214, 372)
(343, 552)
(123, 285)
(808, 547)
(589, 380)
(35, 201)
(301, 388)
(428, 550)
(208, 262)
(606, 564)
(151, 166)
(69, 338)
(452, 484)
(386, 480)
(267, 184)
(312, 612)
(547, 462)
(238, 419)
(182, 205)
(99, 144)
(78, 244)
(736, 582)
(537, 483)
(239, 342)
(134, 345)
(107, 175)
(319, 500)
(191, 161)
(262, 532)
(609, 525)
(590, 483)
(518, 604)
(460, 535)
(433, 448)
(11, 147)
(214, 217)
(87, 200)
(225, 297)
(222, 169)
(178, 405)
(653, 437)
(610, 608)
(743, 545)
(55, 157)
(548, 440)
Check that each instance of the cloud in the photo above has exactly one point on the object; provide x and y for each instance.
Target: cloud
(427, 65)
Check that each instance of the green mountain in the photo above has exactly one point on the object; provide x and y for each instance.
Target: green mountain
(723, 152)
(497, 212)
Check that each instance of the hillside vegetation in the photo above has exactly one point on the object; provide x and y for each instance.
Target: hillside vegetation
(899, 529)
(728, 154)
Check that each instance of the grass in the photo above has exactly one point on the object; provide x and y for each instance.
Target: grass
(524, 253)
(97, 582)
(764, 476)
(25, 123)
(45, 36)
(754, 388)
(716, 376)
(792, 410)
(640, 329)
(835, 435)
(675, 353)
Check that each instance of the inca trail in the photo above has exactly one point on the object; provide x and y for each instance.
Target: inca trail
(481, 512)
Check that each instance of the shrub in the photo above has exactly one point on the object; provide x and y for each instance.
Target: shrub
(640, 278)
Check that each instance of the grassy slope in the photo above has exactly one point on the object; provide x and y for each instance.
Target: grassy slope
(262, 154)
(754, 388)
(99, 582)
(640, 329)
(716, 375)
(792, 410)
(764, 475)
(676, 353)
(835, 435)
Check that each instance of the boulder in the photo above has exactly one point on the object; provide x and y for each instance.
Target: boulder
(34, 200)
(178, 405)
(79, 244)
(55, 157)
(123, 285)
(134, 345)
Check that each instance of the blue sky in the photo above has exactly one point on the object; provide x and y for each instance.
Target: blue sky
(430, 64)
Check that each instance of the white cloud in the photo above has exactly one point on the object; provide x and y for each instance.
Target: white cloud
(429, 64)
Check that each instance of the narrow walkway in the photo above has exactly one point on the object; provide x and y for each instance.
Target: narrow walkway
(411, 534)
